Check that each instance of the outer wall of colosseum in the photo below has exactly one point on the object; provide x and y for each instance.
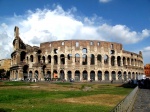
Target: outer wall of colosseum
(77, 59)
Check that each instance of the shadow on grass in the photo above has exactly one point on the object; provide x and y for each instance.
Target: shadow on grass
(5, 110)
(128, 85)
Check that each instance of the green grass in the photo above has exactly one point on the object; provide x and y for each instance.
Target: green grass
(19, 99)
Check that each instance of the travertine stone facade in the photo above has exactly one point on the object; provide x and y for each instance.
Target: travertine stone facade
(77, 59)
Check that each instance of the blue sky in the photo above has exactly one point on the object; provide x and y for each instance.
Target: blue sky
(123, 21)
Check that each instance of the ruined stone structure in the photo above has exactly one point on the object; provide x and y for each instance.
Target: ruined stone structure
(77, 59)
(147, 70)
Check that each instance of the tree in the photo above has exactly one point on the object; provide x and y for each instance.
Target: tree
(2, 73)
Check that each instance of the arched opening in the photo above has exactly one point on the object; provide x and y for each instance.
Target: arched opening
(43, 59)
(39, 58)
(25, 72)
(36, 75)
(92, 59)
(113, 75)
(55, 60)
(133, 75)
(84, 59)
(48, 76)
(99, 75)
(22, 56)
(62, 75)
(119, 61)
(77, 59)
(99, 59)
(125, 76)
(84, 50)
(129, 75)
(69, 76)
(30, 75)
(124, 61)
(106, 74)
(106, 59)
(85, 75)
(62, 59)
(112, 60)
(31, 58)
(119, 75)
(92, 75)
(55, 75)
(77, 75)
(49, 58)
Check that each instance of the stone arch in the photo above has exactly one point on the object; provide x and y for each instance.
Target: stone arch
(62, 59)
(62, 75)
(92, 60)
(36, 74)
(25, 71)
(49, 58)
(92, 75)
(69, 75)
(84, 50)
(119, 75)
(112, 60)
(55, 74)
(106, 74)
(106, 59)
(77, 59)
(136, 75)
(124, 61)
(133, 75)
(55, 59)
(39, 58)
(22, 56)
(99, 59)
(113, 75)
(125, 76)
(99, 75)
(48, 74)
(129, 75)
(85, 75)
(119, 61)
(43, 59)
(31, 58)
(30, 74)
(84, 59)
(77, 75)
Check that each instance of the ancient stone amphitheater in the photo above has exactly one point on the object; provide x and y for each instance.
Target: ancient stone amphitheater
(81, 60)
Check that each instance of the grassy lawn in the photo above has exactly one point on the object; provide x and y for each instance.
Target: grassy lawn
(60, 97)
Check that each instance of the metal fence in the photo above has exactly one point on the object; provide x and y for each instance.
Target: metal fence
(126, 104)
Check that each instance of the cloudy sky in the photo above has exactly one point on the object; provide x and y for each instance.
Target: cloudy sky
(123, 21)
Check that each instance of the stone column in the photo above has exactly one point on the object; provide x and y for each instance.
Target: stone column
(65, 73)
(88, 75)
(96, 75)
(103, 76)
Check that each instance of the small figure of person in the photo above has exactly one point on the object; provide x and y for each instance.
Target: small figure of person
(111, 81)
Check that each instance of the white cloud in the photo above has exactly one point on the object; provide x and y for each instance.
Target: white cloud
(57, 24)
(146, 54)
(104, 1)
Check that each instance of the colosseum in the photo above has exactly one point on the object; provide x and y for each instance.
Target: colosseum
(80, 60)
